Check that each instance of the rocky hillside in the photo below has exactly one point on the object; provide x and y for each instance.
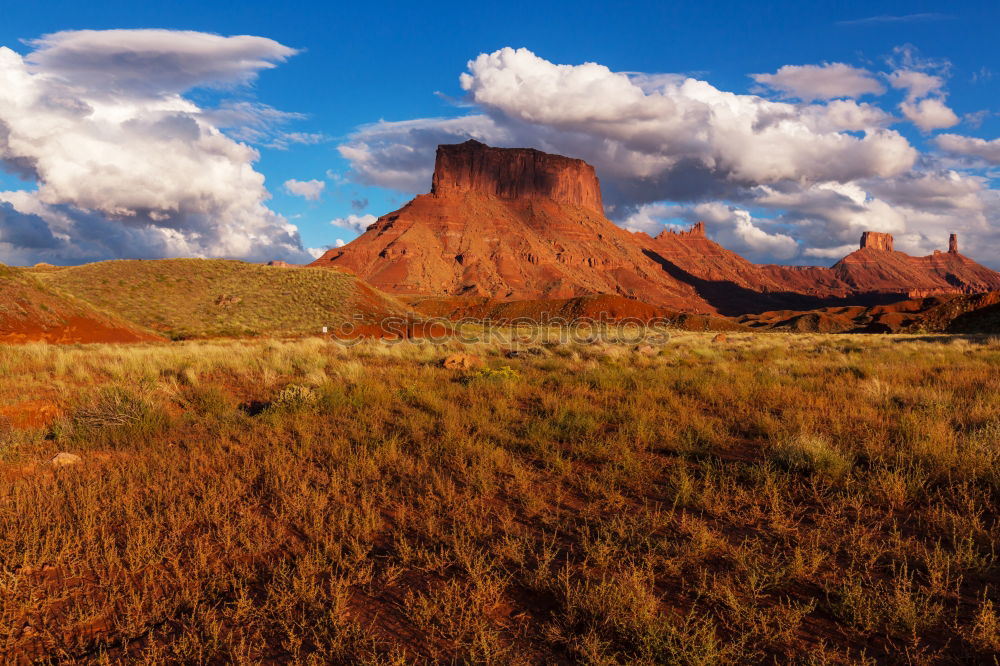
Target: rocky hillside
(949, 313)
(509, 224)
(520, 224)
(874, 274)
(31, 311)
(190, 298)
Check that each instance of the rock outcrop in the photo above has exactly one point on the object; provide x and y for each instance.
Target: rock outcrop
(509, 224)
(876, 268)
(515, 174)
(952, 313)
(519, 224)
(875, 240)
(461, 361)
(874, 273)
(64, 459)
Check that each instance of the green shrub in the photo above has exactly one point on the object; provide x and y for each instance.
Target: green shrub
(208, 401)
(811, 454)
(504, 372)
(295, 396)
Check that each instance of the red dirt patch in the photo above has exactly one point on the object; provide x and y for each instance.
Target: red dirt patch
(76, 329)
(33, 312)
(30, 414)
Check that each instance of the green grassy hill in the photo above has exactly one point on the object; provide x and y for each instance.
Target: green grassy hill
(31, 310)
(190, 298)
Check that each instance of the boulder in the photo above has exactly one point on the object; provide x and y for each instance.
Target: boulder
(720, 338)
(460, 361)
(63, 459)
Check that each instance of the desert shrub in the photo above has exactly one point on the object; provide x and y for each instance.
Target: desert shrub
(118, 415)
(810, 453)
(209, 401)
(624, 611)
(501, 373)
(573, 424)
(895, 605)
(7, 439)
(294, 397)
(985, 630)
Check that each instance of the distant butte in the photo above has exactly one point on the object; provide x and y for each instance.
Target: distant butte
(515, 174)
(517, 223)
(876, 241)
(509, 224)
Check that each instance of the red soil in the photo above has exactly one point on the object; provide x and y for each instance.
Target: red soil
(75, 329)
(29, 414)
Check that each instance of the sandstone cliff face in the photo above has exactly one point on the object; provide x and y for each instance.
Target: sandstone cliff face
(509, 224)
(882, 270)
(515, 174)
(875, 273)
(876, 241)
(518, 224)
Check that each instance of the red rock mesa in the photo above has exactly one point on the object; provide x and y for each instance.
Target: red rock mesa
(518, 224)
(509, 223)
(876, 241)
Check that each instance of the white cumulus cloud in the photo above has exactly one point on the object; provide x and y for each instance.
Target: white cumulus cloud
(358, 223)
(125, 165)
(683, 125)
(929, 114)
(832, 253)
(310, 190)
(650, 139)
(821, 82)
(917, 84)
(957, 144)
(923, 81)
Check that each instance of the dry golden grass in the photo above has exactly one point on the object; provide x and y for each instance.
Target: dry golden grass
(814, 499)
(196, 298)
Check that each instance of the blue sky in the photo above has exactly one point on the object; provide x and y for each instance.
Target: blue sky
(361, 63)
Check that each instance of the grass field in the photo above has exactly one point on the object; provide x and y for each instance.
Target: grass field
(772, 498)
(30, 309)
(197, 298)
